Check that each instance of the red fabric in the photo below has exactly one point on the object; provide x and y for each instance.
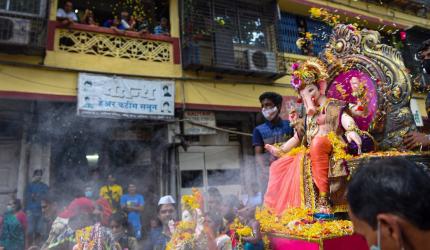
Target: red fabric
(22, 217)
(79, 205)
(106, 210)
(283, 188)
(354, 242)
(320, 158)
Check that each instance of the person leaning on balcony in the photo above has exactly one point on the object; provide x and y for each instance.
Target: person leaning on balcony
(415, 139)
(66, 15)
(163, 28)
(88, 18)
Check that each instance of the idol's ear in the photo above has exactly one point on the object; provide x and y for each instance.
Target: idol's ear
(322, 85)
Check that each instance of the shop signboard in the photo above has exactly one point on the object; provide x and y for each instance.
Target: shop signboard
(125, 97)
(194, 120)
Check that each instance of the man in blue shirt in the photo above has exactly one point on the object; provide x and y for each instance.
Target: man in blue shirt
(133, 203)
(159, 236)
(34, 193)
(273, 131)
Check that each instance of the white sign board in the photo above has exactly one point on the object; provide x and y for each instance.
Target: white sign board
(200, 117)
(416, 113)
(125, 97)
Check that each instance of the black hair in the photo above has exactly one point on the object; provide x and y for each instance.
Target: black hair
(214, 192)
(217, 220)
(119, 218)
(50, 198)
(166, 103)
(274, 97)
(38, 172)
(396, 186)
(165, 87)
(18, 204)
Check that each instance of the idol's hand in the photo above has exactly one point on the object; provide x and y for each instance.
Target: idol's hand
(272, 150)
(353, 136)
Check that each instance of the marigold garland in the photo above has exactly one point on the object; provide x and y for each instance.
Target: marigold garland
(339, 147)
(299, 223)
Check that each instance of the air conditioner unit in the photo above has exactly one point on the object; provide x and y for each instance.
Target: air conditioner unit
(261, 61)
(15, 31)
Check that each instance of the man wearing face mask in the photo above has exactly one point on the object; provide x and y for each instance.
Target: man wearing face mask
(273, 131)
(388, 204)
(103, 210)
(415, 140)
(33, 208)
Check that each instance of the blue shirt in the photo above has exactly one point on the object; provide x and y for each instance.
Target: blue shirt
(158, 30)
(268, 133)
(133, 201)
(157, 239)
(33, 195)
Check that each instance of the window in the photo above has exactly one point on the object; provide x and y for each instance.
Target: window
(191, 178)
(23, 6)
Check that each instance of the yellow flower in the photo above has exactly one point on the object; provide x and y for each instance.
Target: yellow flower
(308, 35)
(315, 12)
(299, 223)
(339, 147)
(244, 231)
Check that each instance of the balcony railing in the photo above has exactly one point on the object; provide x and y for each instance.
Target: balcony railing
(99, 41)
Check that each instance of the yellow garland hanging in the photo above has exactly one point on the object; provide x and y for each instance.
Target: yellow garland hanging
(339, 147)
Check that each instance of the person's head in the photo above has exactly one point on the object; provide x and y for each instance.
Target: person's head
(214, 200)
(49, 206)
(89, 192)
(111, 180)
(37, 175)
(14, 205)
(154, 223)
(166, 210)
(79, 212)
(214, 222)
(164, 22)
(254, 188)
(387, 198)
(118, 224)
(132, 188)
(246, 213)
(230, 206)
(95, 174)
(271, 104)
(166, 105)
(165, 88)
(68, 6)
(124, 15)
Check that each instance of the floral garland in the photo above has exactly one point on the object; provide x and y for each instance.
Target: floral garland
(339, 147)
(184, 234)
(299, 223)
(88, 238)
(241, 231)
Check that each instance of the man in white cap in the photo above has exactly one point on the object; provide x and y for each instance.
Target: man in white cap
(166, 211)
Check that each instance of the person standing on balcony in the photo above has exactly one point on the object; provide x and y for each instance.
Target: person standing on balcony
(66, 15)
(163, 28)
(273, 131)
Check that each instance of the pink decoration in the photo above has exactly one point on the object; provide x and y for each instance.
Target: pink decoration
(341, 89)
(354, 242)
(403, 35)
(295, 66)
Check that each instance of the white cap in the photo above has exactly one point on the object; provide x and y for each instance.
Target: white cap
(168, 199)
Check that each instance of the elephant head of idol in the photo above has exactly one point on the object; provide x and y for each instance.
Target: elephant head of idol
(310, 81)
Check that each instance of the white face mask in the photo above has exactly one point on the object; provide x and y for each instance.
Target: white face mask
(378, 238)
(269, 113)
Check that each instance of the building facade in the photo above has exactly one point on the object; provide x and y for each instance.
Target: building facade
(219, 57)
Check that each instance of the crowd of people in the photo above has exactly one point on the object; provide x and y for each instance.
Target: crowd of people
(120, 23)
(106, 215)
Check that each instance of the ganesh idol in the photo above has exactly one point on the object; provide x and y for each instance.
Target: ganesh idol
(311, 170)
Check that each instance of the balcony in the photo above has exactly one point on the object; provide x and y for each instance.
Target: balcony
(86, 48)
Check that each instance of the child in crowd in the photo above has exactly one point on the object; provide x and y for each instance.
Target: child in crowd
(247, 217)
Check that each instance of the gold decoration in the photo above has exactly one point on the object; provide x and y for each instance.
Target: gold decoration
(92, 43)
